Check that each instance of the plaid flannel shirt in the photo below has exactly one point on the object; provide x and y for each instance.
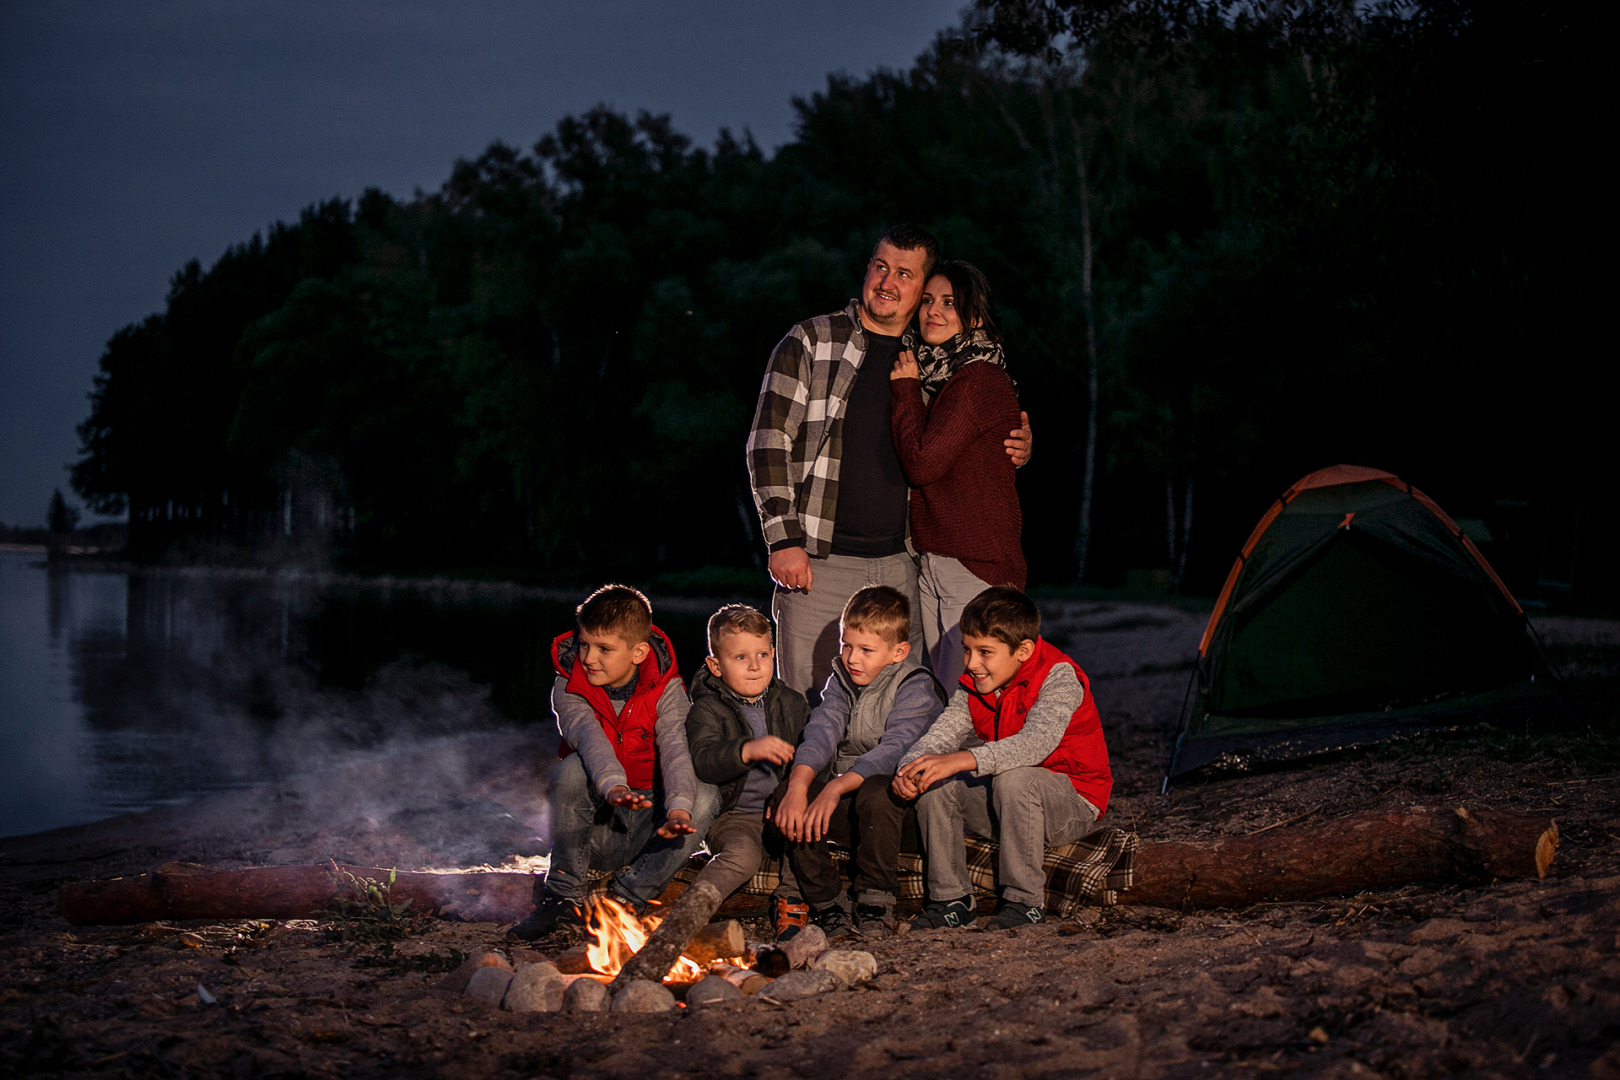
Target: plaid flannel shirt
(796, 444)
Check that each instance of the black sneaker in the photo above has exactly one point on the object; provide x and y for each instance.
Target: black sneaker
(834, 922)
(1011, 914)
(551, 914)
(874, 920)
(940, 914)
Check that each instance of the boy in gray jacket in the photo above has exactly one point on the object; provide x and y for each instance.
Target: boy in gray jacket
(876, 703)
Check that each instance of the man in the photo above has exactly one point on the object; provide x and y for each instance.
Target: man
(831, 494)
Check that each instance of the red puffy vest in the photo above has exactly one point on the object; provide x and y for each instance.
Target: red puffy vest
(1081, 754)
(631, 729)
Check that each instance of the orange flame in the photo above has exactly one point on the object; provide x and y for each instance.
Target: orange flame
(615, 935)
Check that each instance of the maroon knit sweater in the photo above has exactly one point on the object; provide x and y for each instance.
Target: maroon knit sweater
(963, 502)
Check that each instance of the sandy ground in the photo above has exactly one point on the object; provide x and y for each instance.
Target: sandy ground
(1508, 979)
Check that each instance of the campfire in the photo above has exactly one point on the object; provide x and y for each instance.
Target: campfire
(615, 934)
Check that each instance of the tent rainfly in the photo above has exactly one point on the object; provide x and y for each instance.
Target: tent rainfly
(1357, 611)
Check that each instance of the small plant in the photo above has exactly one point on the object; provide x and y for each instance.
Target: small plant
(368, 912)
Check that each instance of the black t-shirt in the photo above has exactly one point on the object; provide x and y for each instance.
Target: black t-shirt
(872, 506)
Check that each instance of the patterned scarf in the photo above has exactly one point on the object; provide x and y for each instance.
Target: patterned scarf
(939, 362)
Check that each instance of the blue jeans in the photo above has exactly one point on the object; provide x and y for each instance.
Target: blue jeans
(587, 833)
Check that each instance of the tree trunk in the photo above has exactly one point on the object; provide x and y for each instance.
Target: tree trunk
(1082, 540)
(681, 922)
(1371, 850)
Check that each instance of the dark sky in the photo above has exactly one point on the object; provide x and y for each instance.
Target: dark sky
(141, 134)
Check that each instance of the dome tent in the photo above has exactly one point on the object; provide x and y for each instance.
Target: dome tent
(1356, 611)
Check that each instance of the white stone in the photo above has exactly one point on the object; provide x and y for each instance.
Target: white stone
(586, 995)
(806, 982)
(851, 966)
(712, 988)
(642, 996)
(489, 984)
(536, 988)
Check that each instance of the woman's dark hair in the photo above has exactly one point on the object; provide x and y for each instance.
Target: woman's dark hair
(971, 293)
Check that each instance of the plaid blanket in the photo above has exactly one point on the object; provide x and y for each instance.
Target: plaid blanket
(1092, 871)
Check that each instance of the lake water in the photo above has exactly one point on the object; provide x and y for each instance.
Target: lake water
(121, 691)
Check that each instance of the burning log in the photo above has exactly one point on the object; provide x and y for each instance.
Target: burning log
(190, 891)
(1370, 850)
(749, 982)
(717, 941)
(681, 922)
(796, 952)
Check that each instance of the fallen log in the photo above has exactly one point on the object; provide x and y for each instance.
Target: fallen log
(1370, 850)
(681, 922)
(190, 891)
(718, 941)
(796, 952)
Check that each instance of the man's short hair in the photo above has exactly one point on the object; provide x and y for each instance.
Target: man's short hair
(1004, 614)
(618, 610)
(912, 238)
(736, 619)
(880, 610)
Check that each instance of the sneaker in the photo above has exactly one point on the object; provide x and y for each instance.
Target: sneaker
(874, 920)
(551, 914)
(790, 915)
(939, 914)
(1011, 914)
(834, 922)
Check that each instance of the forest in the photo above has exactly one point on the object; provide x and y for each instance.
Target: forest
(1231, 243)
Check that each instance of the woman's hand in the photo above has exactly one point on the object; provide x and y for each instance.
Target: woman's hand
(905, 366)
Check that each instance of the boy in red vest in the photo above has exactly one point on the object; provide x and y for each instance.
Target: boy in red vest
(624, 795)
(1017, 756)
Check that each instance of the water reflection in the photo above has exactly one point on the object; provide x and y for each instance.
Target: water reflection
(123, 691)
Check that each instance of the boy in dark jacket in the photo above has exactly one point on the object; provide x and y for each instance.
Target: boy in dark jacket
(624, 797)
(743, 726)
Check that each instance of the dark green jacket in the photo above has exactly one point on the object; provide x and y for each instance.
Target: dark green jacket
(716, 731)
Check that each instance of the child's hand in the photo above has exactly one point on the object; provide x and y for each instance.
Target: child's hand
(905, 366)
(789, 815)
(619, 795)
(679, 823)
(819, 813)
(767, 748)
(928, 770)
(903, 786)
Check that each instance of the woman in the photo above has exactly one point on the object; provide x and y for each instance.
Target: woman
(949, 412)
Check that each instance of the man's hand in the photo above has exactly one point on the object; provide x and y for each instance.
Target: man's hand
(905, 366)
(679, 823)
(790, 566)
(1020, 443)
(619, 795)
(924, 772)
(767, 748)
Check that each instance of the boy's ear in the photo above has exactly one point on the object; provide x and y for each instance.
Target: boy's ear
(901, 651)
(1025, 650)
(639, 653)
(714, 666)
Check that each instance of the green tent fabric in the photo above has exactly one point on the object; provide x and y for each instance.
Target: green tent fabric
(1357, 610)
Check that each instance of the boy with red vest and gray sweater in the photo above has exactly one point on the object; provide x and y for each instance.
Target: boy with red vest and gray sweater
(1017, 756)
(625, 797)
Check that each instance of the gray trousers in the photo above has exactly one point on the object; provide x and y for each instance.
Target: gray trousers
(946, 586)
(737, 844)
(807, 622)
(1024, 810)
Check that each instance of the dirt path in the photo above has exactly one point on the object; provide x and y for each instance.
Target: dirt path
(1511, 979)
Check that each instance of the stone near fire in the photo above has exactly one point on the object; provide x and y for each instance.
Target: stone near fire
(456, 982)
(806, 982)
(586, 995)
(850, 965)
(489, 984)
(711, 988)
(574, 960)
(640, 996)
(536, 988)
